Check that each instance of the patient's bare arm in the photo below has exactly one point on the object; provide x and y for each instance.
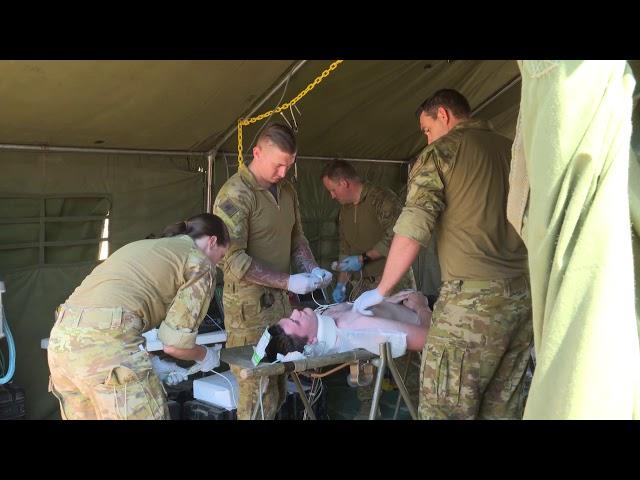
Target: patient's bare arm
(389, 311)
(415, 301)
(338, 308)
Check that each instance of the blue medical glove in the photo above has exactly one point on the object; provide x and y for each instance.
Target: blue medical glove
(366, 300)
(325, 275)
(350, 264)
(340, 292)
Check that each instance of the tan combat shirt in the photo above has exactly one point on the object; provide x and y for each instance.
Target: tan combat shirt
(458, 187)
(260, 227)
(167, 282)
(369, 225)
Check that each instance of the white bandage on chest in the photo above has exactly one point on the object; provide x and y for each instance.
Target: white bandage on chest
(330, 342)
(371, 339)
(327, 331)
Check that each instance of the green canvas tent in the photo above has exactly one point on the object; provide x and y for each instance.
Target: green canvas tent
(118, 149)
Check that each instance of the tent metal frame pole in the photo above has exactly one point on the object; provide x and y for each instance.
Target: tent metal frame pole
(210, 165)
(312, 157)
(233, 128)
(369, 160)
(126, 151)
(496, 94)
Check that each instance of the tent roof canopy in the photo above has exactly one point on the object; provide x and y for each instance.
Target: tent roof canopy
(364, 109)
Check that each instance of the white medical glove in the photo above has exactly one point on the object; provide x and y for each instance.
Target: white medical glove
(176, 376)
(325, 275)
(302, 283)
(366, 300)
(211, 360)
(168, 372)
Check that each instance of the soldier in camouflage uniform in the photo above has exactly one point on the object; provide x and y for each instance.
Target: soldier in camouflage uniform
(262, 212)
(98, 370)
(477, 350)
(367, 215)
(366, 219)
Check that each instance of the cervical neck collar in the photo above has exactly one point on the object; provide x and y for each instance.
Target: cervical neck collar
(327, 331)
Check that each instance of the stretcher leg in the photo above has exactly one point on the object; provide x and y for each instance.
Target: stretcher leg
(305, 400)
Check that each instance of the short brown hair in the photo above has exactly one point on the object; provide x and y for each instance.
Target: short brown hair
(447, 98)
(340, 170)
(280, 135)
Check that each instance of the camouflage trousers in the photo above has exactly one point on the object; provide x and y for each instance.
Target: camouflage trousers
(477, 351)
(97, 369)
(248, 311)
(365, 394)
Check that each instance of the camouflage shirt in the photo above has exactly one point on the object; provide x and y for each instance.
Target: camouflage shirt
(369, 225)
(458, 189)
(167, 282)
(260, 226)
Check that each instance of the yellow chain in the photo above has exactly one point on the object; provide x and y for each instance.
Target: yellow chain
(284, 106)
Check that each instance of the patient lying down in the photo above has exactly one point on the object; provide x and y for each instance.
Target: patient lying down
(403, 320)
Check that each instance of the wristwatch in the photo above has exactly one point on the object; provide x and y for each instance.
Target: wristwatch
(365, 258)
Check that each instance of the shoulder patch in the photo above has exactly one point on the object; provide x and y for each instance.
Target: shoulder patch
(228, 207)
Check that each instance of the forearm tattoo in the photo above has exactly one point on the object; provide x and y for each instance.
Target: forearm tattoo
(262, 275)
(303, 258)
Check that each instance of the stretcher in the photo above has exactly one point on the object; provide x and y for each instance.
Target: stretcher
(359, 361)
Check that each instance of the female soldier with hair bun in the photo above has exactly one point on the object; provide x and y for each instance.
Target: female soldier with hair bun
(98, 370)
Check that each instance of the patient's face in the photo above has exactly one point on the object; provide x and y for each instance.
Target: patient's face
(301, 323)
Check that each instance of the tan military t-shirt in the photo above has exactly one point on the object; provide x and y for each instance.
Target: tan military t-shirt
(458, 188)
(167, 282)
